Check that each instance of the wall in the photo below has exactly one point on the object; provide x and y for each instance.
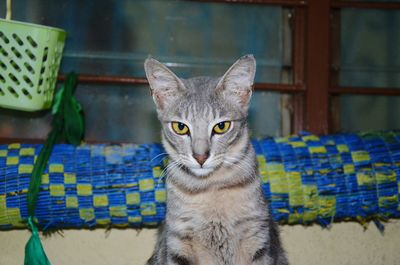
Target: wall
(344, 243)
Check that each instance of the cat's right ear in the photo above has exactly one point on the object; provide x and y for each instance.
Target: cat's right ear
(165, 86)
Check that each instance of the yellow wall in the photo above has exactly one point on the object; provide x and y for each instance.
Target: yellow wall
(344, 243)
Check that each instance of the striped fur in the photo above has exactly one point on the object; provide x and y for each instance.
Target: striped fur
(216, 211)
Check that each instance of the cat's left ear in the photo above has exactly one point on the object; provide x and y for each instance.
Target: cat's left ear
(237, 82)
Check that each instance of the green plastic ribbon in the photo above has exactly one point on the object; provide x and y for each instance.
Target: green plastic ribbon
(34, 252)
(68, 121)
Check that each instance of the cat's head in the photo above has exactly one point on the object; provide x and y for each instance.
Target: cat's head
(203, 119)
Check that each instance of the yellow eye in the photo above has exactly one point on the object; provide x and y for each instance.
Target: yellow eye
(222, 127)
(180, 128)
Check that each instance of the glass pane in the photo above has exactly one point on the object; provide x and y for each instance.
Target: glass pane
(369, 113)
(265, 114)
(192, 38)
(114, 37)
(370, 54)
(18, 124)
(370, 58)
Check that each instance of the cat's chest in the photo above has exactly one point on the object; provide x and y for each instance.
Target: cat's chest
(213, 219)
(213, 215)
(214, 223)
(218, 205)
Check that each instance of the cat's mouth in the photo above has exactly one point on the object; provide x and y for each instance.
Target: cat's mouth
(201, 172)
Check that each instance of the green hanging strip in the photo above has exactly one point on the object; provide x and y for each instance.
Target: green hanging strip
(34, 252)
(68, 121)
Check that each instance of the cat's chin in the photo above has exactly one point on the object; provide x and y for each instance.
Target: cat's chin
(201, 172)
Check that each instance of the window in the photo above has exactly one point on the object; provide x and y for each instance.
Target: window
(321, 64)
(369, 59)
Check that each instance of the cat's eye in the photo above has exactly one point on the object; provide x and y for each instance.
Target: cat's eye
(180, 128)
(222, 127)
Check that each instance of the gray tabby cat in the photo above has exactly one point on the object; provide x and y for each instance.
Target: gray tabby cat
(216, 210)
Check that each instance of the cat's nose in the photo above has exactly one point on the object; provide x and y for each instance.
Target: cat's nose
(201, 158)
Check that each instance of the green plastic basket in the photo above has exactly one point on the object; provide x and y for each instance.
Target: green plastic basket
(30, 57)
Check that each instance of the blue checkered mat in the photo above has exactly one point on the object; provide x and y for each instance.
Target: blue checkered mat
(306, 178)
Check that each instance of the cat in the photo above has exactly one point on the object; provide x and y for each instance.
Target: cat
(216, 211)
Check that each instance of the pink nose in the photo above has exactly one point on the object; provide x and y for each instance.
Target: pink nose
(201, 158)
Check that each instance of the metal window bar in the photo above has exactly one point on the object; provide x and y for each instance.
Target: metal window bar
(126, 80)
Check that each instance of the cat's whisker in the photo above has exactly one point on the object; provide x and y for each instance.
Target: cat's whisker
(159, 156)
(163, 175)
(238, 166)
(180, 166)
(161, 178)
(219, 156)
(238, 158)
(243, 165)
(171, 165)
(246, 171)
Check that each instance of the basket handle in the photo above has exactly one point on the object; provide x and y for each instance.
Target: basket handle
(8, 14)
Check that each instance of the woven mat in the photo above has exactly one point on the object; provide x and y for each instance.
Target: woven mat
(307, 179)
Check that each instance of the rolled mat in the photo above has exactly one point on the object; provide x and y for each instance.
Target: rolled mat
(306, 179)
